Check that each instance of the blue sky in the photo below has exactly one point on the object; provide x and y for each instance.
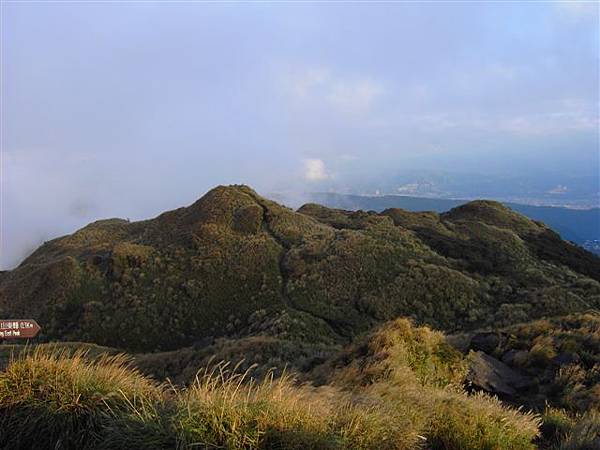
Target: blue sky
(128, 109)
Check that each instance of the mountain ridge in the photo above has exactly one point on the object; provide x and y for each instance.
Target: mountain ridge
(578, 225)
(206, 269)
(413, 314)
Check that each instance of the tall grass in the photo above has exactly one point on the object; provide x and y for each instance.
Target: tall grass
(60, 401)
(566, 431)
(223, 409)
(54, 400)
(416, 372)
(57, 400)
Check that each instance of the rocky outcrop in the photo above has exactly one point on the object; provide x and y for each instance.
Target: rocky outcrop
(488, 374)
(488, 341)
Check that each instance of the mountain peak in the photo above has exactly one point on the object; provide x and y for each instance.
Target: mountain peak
(491, 213)
(237, 264)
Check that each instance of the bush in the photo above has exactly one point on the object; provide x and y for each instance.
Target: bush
(480, 422)
(413, 370)
(556, 425)
(400, 352)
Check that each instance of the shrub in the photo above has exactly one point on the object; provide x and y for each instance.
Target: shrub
(400, 352)
(413, 370)
(479, 422)
(556, 425)
(542, 351)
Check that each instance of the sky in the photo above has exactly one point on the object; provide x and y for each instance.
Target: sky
(128, 109)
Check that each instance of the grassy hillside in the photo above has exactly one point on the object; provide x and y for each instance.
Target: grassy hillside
(561, 354)
(402, 387)
(572, 224)
(236, 265)
(307, 303)
(402, 393)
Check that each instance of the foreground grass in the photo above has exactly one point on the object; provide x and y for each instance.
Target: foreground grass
(414, 369)
(566, 431)
(62, 401)
(404, 395)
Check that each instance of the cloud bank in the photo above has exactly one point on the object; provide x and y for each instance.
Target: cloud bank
(129, 109)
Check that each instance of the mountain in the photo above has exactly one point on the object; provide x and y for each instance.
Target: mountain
(397, 321)
(236, 264)
(581, 226)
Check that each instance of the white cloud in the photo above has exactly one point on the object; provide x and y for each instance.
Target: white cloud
(314, 170)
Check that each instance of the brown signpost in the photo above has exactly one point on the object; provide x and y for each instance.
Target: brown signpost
(18, 329)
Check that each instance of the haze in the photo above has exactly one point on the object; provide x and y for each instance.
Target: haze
(130, 109)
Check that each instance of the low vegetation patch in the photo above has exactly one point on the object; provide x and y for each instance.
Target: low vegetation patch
(69, 400)
(59, 400)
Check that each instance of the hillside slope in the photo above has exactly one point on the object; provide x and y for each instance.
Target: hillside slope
(234, 264)
(576, 225)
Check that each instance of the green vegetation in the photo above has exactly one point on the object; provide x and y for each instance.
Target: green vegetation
(561, 358)
(563, 431)
(415, 369)
(405, 395)
(316, 292)
(51, 400)
(576, 225)
(561, 355)
(206, 270)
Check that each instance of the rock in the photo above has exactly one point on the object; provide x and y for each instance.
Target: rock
(514, 357)
(565, 359)
(486, 342)
(489, 374)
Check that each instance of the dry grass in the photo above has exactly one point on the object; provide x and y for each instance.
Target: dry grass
(59, 400)
(566, 431)
(449, 419)
(405, 395)
(225, 409)
(415, 371)
(50, 401)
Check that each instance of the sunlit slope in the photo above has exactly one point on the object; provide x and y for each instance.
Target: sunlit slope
(234, 264)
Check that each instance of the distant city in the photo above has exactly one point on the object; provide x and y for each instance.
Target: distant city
(592, 246)
(537, 189)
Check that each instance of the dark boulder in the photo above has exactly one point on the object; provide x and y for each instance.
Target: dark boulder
(565, 359)
(488, 374)
(487, 342)
(515, 357)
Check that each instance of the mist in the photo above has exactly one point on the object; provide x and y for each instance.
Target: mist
(129, 109)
